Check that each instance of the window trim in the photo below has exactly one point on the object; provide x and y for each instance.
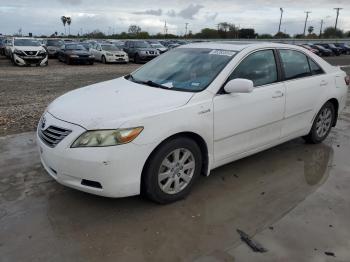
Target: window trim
(278, 69)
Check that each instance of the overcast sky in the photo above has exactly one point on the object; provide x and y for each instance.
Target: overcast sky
(43, 16)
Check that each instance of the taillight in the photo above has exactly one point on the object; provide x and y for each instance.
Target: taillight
(347, 80)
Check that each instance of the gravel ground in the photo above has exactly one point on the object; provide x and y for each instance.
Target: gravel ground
(26, 91)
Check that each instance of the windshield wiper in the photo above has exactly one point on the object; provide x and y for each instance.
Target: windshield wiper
(148, 82)
(154, 84)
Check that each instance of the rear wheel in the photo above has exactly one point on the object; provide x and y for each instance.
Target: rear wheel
(137, 59)
(322, 124)
(172, 170)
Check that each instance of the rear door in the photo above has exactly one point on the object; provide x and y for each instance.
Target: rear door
(305, 83)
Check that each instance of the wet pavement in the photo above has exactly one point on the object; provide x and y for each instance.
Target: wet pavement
(294, 199)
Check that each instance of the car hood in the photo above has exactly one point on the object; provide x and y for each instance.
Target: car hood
(109, 104)
(116, 52)
(78, 52)
(29, 48)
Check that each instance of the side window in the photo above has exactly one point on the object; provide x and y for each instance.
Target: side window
(315, 68)
(295, 64)
(260, 67)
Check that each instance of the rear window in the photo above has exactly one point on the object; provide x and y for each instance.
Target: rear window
(295, 64)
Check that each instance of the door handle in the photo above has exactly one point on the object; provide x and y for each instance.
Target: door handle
(278, 94)
(323, 83)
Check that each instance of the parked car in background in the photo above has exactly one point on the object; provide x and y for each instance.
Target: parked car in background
(336, 50)
(169, 44)
(195, 108)
(323, 51)
(109, 53)
(155, 44)
(28, 51)
(86, 45)
(8, 46)
(52, 46)
(345, 47)
(313, 50)
(2, 46)
(75, 53)
(140, 51)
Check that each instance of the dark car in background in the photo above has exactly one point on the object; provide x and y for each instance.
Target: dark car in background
(336, 50)
(323, 51)
(52, 46)
(345, 47)
(2, 46)
(140, 51)
(75, 53)
(313, 50)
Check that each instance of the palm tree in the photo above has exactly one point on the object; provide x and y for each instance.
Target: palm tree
(64, 21)
(69, 21)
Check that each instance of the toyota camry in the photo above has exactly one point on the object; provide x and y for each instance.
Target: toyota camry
(185, 113)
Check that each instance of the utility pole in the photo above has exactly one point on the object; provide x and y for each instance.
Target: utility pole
(165, 29)
(336, 20)
(279, 27)
(321, 27)
(307, 16)
(186, 25)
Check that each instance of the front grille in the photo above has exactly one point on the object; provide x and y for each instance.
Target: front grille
(30, 53)
(52, 135)
(83, 55)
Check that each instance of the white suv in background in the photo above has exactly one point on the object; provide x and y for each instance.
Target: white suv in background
(28, 51)
(108, 53)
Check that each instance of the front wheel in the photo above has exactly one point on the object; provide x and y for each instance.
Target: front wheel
(172, 170)
(322, 124)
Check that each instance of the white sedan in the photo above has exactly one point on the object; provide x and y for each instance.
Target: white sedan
(192, 109)
(108, 53)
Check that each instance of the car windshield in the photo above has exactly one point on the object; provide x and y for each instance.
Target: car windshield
(157, 45)
(320, 47)
(26, 42)
(54, 43)
(75, 47)
(109, 48)
(332, 46)
(184, 69)
(142, 44)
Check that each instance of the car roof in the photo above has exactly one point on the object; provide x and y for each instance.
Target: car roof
(234, 45)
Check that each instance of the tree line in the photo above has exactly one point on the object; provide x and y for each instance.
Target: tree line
(224, 30)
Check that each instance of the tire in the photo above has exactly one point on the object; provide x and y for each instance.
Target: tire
(103, 60)
(322, 124)
(163, 190)
(91, 63)
(137, 59)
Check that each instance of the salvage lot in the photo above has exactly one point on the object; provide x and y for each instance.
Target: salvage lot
(293, 198)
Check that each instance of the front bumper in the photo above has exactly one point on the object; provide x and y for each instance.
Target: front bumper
(116, 168)
(147, 57)
(82, 60)
(117, 59)
(27, 60)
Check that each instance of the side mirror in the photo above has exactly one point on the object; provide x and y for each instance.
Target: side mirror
(239, 85)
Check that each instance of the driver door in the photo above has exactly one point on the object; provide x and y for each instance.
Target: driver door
(244, 122)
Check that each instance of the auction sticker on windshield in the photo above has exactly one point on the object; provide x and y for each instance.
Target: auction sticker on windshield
(222, 52)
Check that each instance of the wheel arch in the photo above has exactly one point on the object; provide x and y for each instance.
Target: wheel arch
(194, 136)
(335, 103)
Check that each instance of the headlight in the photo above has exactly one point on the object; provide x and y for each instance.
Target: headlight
(74, 56)
(109, 54)
(18, 52)
(101, 138)
(143, 52)
(42, 52)
(91, 56)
